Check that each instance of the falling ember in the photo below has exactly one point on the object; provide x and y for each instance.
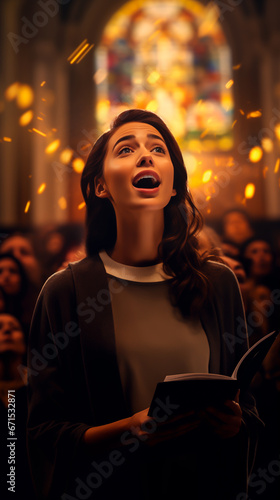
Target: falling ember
(66, 155)
(233, 123)
(265, 169)
(204, 133)
(276, 168)
(206, 176)
(237, 66)
(7, 139)
(78, 165)
(249, 191)
(267, 144)
(42, 84)
(277, 131)
(229, 84)
(80, 52)
(39, 132)
(25, 118)
(52, 147)
(41, 188)
(25, 96)
(62, 203)
(255, 154)
(27, 207)
(81, 205)
(241, 112)
(254, 114)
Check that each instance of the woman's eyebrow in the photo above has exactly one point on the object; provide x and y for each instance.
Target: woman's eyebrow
(128, 137)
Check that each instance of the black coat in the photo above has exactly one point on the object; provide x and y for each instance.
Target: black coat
(74, 384)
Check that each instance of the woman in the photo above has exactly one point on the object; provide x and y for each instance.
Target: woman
(142, 305)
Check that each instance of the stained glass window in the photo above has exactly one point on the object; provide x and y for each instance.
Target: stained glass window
(170, 57)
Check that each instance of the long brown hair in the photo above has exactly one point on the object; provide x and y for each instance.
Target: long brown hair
(178, 249)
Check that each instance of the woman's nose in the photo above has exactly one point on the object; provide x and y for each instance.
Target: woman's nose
(145, 159)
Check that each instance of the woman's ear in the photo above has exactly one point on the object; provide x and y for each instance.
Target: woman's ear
(174, 192)
(100, 188)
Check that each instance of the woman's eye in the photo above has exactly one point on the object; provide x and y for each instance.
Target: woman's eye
(125, 150)
(159, 149)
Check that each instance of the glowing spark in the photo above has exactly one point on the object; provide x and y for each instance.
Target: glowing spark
(241, 112)
(229, 84)
(233, 123)
(39, 132)
(41, 188)
(276, 168)
(40, 118)
(255, 154)
(267, 144)
(27, 207)
(81, 205)
(85, 53)
(25, 96)
(66, 155)
(277, 131)
(62, 203)
(265, 169)
(152, 106)
(80, 52)
(204, 133)
(43, 83)
(78, 165)
(254, 114)
(7, 139)
(208, 197)
(249, 191)
(237, 66)
(25, 118)
(206, 176)
(52, 147)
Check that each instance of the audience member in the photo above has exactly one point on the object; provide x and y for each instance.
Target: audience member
(13, 403)
(236, 226)
(258, 259)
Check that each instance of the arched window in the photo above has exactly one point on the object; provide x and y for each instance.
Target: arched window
(170, 57)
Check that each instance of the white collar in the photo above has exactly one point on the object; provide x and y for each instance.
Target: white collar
(145, 274)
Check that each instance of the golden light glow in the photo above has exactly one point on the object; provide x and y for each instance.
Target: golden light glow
(229, 84)
(62, 202)
(25, 118)
(152, 106)
(225, 143)
(52, 147)
(277, 131)
(27, 207)
(81, 205)
(7, 139)
(233, 123)
(66, 155)
(41, 188)
(78, 165)
(254, 114)
(12, 91)
(276, 168)
(249, 191)
(25, 96)
(237, 66)
(204, 133)
(207, 176)
(255, 154)
(265, 169)
(42, 84)
(241, 112)
(39, 132)
(153, 77)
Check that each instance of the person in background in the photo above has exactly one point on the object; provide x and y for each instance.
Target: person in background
(236, 226)
(13, 380)
(21, 247)
(258, 258)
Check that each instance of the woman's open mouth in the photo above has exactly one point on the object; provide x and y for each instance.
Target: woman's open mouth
(146, 181)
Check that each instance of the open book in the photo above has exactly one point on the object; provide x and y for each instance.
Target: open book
(190, 391)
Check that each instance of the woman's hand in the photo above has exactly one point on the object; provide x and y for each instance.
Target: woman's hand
(223, 423)
(151, 431)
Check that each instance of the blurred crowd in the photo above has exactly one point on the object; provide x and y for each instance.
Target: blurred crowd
(28, 259)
